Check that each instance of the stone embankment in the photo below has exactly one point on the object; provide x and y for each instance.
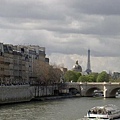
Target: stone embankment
(15, 93)
(23, 93)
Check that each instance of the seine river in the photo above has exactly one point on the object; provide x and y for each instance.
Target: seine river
(63, 109)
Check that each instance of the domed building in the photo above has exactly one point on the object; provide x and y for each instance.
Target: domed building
(77, 67)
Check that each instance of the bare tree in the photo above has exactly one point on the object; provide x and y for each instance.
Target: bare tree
(46, 74)
(41, 71)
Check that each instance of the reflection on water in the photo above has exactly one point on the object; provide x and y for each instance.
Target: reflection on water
(64, 109)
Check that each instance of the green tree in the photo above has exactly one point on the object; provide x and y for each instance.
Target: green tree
(78, 74)
(70, 76)
(103, 77)
(93, 77)
(83, 78)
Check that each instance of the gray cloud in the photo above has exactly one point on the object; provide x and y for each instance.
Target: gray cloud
(64, 27)
(29, 9)
(101, 7)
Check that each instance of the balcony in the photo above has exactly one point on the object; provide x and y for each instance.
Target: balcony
(1, 72)
(6, 73)
(1, 59)
(6, 61)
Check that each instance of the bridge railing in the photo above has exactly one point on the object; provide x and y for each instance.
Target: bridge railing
(96, 83)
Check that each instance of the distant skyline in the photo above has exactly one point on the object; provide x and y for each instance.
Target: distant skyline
(67, 28)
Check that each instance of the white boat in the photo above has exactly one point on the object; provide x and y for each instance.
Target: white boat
(104, 112)
(98, 93)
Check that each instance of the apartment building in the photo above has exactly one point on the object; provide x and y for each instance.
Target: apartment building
(16, 63)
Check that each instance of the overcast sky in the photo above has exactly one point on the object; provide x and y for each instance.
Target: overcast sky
(67, 28)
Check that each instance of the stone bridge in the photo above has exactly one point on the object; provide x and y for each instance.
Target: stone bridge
(86, 89)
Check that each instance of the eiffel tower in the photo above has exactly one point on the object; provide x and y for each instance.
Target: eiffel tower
(88, 70)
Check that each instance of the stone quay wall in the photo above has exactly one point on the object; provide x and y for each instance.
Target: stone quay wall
(17, 93)
(22, 93)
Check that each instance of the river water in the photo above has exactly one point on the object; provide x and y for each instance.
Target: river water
(62, 109)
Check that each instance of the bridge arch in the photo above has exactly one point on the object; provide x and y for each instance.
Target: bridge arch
(112, 93)
(90, 91)
(74, 91)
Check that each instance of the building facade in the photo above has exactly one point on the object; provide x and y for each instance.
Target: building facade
(116, 75)
(16, 63)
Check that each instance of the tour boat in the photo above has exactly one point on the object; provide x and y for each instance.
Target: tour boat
(104, 112)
